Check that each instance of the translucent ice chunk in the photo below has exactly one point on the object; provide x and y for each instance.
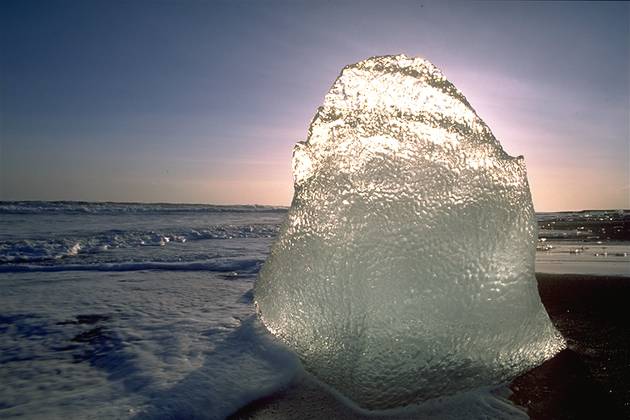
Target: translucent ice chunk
(405, 268)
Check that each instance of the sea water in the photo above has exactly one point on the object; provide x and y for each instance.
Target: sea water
(146, 310)
(118, 311)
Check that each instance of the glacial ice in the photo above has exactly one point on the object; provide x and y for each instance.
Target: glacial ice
(405, 268)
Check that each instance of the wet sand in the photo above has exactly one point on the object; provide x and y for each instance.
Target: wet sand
(589, 380)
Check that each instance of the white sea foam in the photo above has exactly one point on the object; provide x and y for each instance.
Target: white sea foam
(62, 247)
(134, 344)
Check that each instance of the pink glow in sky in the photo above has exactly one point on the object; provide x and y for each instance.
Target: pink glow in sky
(203, 101)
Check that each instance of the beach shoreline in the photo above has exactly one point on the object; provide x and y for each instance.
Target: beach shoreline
(585, 381)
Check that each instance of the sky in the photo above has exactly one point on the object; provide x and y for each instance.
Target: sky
(202, 101)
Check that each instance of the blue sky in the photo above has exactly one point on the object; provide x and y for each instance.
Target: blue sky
(202, 101)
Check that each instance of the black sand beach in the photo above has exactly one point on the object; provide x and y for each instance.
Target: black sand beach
(590, 379)
(586, 381)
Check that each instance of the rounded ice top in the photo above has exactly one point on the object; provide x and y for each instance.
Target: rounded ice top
(405, 268)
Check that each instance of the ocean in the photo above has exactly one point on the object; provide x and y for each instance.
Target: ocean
(116, 310)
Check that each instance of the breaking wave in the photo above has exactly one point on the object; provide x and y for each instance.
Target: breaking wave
(83, 207)
(236, 267)
(56, 248)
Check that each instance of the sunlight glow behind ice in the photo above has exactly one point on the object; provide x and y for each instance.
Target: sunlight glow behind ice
(405, 268)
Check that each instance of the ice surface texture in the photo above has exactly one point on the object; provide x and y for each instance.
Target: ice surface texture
(405, 268)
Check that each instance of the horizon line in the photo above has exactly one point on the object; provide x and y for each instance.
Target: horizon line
(253, 205)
